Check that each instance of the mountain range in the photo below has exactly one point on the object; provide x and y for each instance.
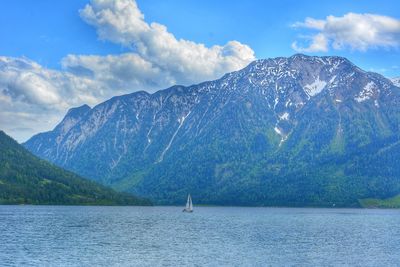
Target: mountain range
(26, 179)
(296, 131)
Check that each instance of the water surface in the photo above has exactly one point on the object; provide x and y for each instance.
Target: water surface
(211, 236)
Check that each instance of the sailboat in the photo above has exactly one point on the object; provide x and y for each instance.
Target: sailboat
(189, 205)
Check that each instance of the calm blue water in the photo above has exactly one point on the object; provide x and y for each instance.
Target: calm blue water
(211, 236)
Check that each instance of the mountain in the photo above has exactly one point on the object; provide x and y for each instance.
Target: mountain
(297, 131)
(26, 179)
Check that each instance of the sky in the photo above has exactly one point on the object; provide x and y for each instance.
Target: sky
(58, 55)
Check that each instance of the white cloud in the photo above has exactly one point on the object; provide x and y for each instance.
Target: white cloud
(355, 31)
(33, 98)
(183, 61)
(124, 73)
(319, 43)
(311, 23)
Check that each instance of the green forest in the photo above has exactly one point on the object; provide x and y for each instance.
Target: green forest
(26, 179)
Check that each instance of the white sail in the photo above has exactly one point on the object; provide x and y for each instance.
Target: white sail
(189, 204)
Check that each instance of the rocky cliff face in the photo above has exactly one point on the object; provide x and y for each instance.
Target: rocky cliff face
(285, 131)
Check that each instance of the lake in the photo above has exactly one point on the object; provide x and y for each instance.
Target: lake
(211, 236)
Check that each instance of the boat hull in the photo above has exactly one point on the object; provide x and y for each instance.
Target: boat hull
(185, 210)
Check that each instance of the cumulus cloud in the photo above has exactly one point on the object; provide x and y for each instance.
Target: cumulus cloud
(125, 72)
(183, 61)
(33, 98)
(355, 31)
(319, 43)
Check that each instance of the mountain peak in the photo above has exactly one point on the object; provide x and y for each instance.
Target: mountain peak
(78, 111)
(298, 61)
(303, 76)
(73, 116)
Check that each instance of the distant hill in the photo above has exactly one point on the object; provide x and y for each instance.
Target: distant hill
(26, 179)
(297, 131)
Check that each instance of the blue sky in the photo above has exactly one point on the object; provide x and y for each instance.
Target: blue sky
(55, 55)
(45, 32)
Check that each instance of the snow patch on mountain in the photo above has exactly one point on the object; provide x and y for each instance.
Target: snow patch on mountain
(181, 121)
(281, 134)
(284, 116)
(315, 88)
(278, 131)
(366, 93)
